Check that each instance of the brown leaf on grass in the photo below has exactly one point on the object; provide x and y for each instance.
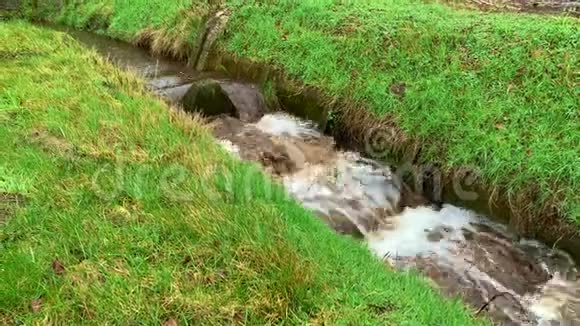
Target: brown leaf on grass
(500, 126)
(58, 267)
(398, 89)
(170, 322)
(36, 304)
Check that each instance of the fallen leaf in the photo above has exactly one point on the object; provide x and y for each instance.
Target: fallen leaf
(170, 322)
(58, 267)
(398, 89)
(500, 126)
(36, 304)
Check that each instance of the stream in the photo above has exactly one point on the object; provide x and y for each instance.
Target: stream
(513, 280)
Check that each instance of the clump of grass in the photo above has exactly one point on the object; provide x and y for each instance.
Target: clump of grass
(135, 215)
(178, 41)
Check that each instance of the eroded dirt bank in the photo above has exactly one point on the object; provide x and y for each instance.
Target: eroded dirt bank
(465, 253)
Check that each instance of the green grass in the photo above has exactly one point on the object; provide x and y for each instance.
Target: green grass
(498, 92)
(150, 219)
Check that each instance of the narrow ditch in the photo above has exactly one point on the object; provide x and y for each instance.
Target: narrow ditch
(466, 252)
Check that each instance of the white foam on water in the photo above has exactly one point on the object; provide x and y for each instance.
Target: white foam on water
(356, 189)
(345, 178)
(558, 300)
(409, 239)
(282, 124)
(546, 309)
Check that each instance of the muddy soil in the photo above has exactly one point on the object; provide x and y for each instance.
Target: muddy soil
(555, 7)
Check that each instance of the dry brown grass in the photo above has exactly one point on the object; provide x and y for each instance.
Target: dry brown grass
(175, 42)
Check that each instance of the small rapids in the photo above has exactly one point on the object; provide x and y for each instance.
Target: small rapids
(517, 281)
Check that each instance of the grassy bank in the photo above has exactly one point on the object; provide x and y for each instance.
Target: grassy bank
(132, 214)
(497, 92)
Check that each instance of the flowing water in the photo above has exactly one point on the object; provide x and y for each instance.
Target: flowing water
(514, 280)
(462, 252)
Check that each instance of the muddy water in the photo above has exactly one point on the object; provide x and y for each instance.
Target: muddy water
(164, 76)
(513, 280)
(464, 253)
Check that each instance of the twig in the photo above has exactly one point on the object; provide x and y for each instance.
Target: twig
(557, 241)
(501, 294)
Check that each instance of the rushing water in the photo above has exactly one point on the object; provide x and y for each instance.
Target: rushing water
(517, 281)
(462, 252)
